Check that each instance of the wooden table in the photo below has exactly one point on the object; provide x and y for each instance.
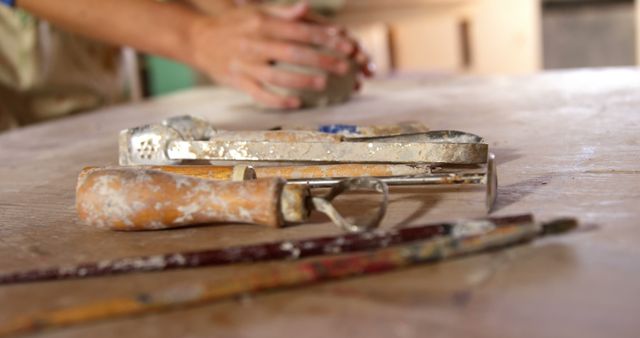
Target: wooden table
(567, 143)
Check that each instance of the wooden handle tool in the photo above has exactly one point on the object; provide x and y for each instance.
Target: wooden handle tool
(143, 199)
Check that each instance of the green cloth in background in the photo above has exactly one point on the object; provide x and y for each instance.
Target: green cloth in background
(165, 76)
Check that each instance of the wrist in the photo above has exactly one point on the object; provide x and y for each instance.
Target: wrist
(210, 7)
(199, 30)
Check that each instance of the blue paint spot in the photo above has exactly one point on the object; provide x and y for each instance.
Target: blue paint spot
(338, 128)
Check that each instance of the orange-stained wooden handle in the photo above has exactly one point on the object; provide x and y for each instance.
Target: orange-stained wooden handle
(141, 199)
(220, 173)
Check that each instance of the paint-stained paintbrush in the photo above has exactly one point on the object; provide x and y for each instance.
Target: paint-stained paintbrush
(292, 249)
(475, 239)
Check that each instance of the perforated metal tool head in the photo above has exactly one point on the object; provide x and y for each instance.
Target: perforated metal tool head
(146, 145)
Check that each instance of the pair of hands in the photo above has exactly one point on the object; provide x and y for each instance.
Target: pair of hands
(238, 48)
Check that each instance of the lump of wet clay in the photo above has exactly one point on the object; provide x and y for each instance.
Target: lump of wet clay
(338, 89)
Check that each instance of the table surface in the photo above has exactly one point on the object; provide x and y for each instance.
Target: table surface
(567, 145)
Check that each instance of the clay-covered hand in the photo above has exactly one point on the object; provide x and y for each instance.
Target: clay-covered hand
(363, 62)
(365, 67)
(239, 47)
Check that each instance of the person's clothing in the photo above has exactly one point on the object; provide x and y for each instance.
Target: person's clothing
(47, 73)
(10, 3)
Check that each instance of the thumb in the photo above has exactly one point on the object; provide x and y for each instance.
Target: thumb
(289, 12)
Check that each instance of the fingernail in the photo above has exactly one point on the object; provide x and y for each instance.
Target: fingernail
(343, 68)
(371, 67)
(346, 47)
(293, 102)
(333, 31)
(320, 83)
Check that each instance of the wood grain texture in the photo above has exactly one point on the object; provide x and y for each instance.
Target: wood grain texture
(141, 199)
(566, 143)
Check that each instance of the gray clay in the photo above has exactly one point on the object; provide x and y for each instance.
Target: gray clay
(339, 87)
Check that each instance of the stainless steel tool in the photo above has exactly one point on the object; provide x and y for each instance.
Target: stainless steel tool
(488, 178)
(327, 176)
(187, 138)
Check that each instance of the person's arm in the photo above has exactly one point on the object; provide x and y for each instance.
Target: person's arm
(211, 7)
(235, 48)
(150, 26)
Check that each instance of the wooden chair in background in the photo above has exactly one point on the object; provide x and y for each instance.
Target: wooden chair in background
(475, 36)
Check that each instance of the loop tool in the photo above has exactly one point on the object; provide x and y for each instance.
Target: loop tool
(144, 199)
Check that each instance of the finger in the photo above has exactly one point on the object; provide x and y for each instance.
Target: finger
(288, 12)
(363, 60)
(282, 78)
(312, 34)
(364, 63)
(253, 88)
(300, 55)
(313, 17)
(370, 69)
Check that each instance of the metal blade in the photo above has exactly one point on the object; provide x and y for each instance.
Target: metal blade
(351, 152)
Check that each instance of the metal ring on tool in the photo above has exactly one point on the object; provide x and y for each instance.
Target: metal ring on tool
(323, 204)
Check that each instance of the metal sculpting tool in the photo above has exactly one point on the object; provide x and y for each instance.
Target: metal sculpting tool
(472, 237)
(142, 199)
(489, 179)
(185, 138)
(326, 176)
(291, 249)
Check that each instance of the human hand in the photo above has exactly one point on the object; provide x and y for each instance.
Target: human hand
(239, 47)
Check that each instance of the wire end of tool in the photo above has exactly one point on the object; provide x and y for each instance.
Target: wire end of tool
(559, 226)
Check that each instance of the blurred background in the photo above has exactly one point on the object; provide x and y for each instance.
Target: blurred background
(495, 37)
(46, 73)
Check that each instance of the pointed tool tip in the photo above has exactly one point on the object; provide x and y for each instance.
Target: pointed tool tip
(559, 226)
(491, 182)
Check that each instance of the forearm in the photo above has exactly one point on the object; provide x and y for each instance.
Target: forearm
(211, 7)
(147, 25)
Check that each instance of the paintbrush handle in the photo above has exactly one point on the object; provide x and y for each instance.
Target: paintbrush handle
(288, 249)
(141, 199)
(291, 275)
